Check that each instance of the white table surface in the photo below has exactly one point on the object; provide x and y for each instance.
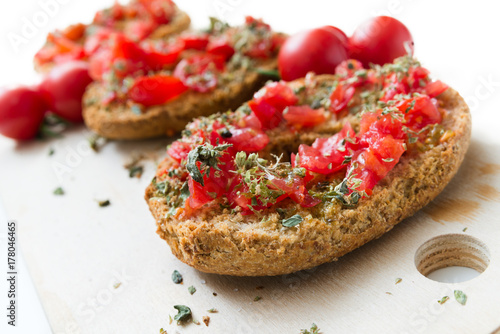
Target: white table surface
(457, 41)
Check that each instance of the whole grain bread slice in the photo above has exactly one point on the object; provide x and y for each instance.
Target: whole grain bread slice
(218, 241)
(118, 121)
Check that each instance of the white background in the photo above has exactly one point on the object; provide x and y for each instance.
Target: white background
(458, 41)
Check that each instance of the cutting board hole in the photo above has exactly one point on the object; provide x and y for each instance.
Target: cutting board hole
(452, 258)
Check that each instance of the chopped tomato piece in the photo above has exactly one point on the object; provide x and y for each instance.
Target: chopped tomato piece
(304, 116)
(340, 97)
(201, 195)
(248, 140)
(139, 29)
(220, 46)
(268, 104)
(311, 159)
(199, 72)
(435, 88)
(157, 89)
(179, 150)
(95, 41)
(420, 111)
(159, 54)
(194, 41)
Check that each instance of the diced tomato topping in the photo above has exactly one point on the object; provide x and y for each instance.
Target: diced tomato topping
(138, 29)
(248, 140)
(157, 89)
(420, 111)
(347, 68)
(435, 88)
(341, 96)
(95, 41)
(268, 103)
(194, 41)
(159, 54)
(199, 72)
(199, 195)
(327, 155)
(220, 46)
(179, 150)
(304, 116)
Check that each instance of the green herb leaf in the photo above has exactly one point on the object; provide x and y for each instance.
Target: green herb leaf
(465, 229)
(135, 171)
(398, 280)
(192, 289)
(208, 156)
(274, 74)
(104, 203)
(59, 191)
(257, 298)
(176, 277)
(96, 142)
(212, 310)
(162, 331)
(183, 314)
(117, 285)
(51, 151)
(314, 330)
(460, 296)
(443, 300)
(292, 221)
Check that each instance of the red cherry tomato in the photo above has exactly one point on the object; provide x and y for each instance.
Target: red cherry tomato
(21, 112)
(157, 89)
(319, 50)
(63, 89)
(380, 40)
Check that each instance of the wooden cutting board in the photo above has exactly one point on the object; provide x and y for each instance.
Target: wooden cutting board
(104, 270)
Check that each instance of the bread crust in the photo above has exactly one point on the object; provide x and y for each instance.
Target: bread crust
(117, 121)
(232, 244)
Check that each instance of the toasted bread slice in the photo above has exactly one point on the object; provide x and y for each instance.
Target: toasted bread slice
(222, 242)
(118, 121)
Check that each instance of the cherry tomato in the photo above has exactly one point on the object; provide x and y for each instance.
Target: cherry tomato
(194, 41)
(318, 50)
(157, 89)
(21, 112)
(63, 89)
(380, 40)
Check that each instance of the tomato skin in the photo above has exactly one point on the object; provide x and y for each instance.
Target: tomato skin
(435, 88)
(156, 89)
(63, 89)
(379, 40)
(341, 96)
(21, 112)
(318, 50)
(220, 46)
(248, 140)
(195, 42)
(304, 116)
(423, 112)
